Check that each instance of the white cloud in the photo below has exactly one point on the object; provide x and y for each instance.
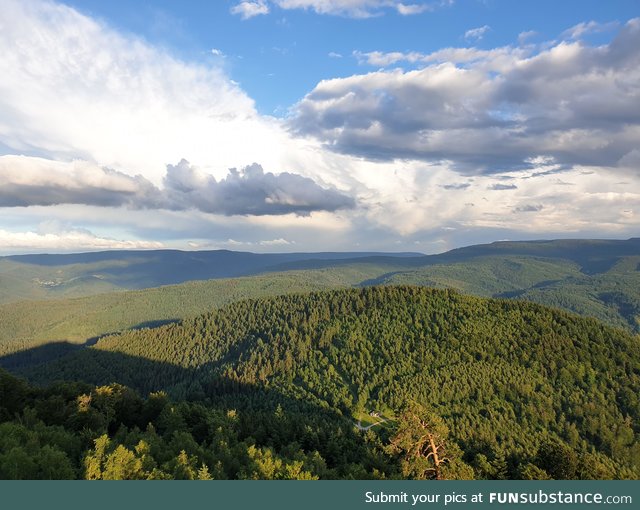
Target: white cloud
(497, 58)
(523, 37)
(385, 59)
(74, 88)
(477, 33)
(422, 153)
(347, 8)
(248, 10)
(276, 242)
(68, 240)
(591, 27)
(576, 103)
(411, 9)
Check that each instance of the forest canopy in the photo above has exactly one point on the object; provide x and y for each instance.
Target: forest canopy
(517, 386)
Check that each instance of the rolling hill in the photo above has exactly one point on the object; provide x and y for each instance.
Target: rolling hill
(592, 278)
(67, 323)
(42, 276)
(563, 274)
(506, 376)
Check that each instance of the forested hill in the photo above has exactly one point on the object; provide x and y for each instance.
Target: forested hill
(594, 278)
(592, 256)
(506, 376)
(41, 276)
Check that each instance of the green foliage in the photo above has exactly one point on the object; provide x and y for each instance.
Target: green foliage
(29, 324)
(421, 439)
(592, 278)
(36, 452)
(504, 376)
(557, 459)
(186, 441)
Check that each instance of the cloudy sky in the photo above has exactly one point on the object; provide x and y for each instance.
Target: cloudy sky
(308, 125)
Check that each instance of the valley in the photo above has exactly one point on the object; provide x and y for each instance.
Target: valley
(329, 355)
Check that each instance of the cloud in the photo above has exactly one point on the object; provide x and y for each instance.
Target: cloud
(34, 181)
(631, 159)
(501, 187)
(249, 192)
(217, 53)
(276, 242)
(498, 57)
(584, 28)
(68, 240)
(529, 208)
(81, 90)
(234, 244)
(498, 110)
(248, 10)
(476, 34)
(333, 54)
(346, 8)
(523, 37)
(411, 9)
(456, 186)
(378, 160)
(385, 59)
(28, 181)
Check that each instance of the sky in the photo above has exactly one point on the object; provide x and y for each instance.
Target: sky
(316, 125)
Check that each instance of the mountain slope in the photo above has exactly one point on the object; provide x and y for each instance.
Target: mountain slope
(612, 296)
(492, 270)
(27, 324)
(592, 256)
(505, 375)
(83, 274)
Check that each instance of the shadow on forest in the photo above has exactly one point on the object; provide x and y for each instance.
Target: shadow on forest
(519, 292)
(305, 420)
(45, 353)
(67, 362)
(55, 349)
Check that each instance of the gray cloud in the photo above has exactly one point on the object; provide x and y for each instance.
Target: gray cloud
(28, 181)
(32, 181)
(249, 192)
(572, 103)
(454, 186)
(500, 187)
(528, 208)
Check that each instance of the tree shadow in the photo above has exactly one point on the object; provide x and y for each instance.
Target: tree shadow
(56, 349)
(268, 414)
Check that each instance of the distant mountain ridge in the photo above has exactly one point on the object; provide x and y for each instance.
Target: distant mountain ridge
(594, 278)
(40, 276)
(58, 259)
(592, 255)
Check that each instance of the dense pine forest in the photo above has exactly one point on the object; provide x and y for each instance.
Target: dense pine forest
(279, 388)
